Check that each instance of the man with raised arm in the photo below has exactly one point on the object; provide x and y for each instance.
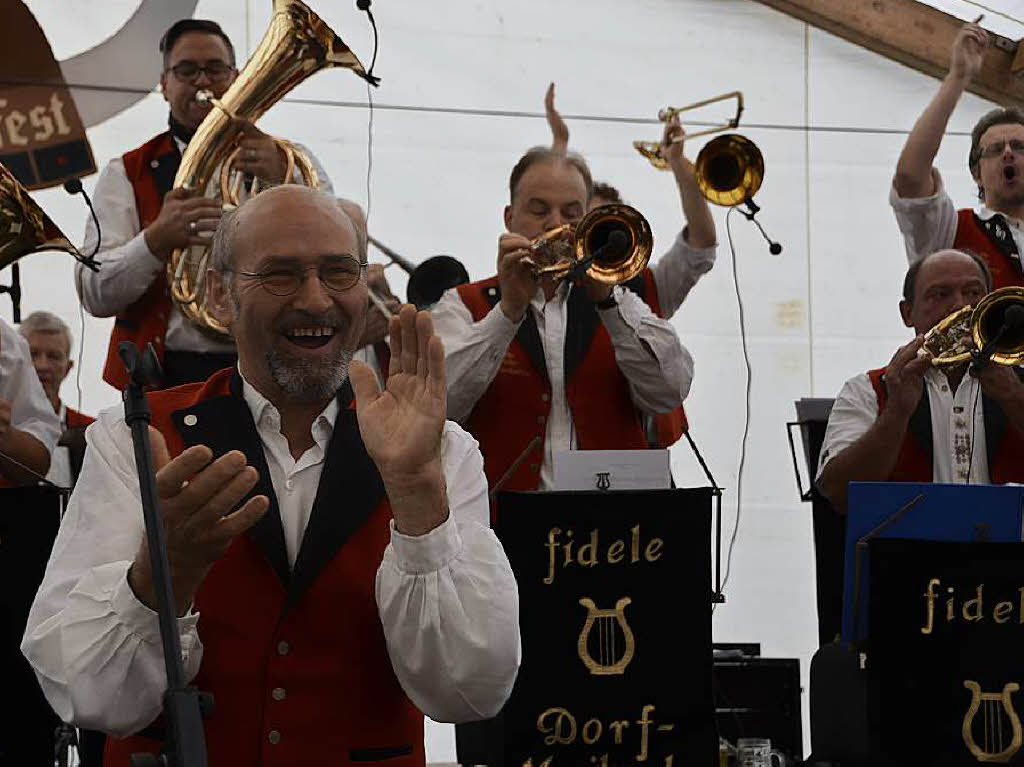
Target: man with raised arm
(926, 215)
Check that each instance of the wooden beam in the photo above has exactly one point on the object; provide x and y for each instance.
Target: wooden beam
(913, 34)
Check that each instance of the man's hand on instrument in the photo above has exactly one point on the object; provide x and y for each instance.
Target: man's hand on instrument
(259, 155)
(516, 275)
(198, 496)
(672, 141)
(401, 426)
(186, 218)
(559, 130)
(904, 379)
(968, 52)
(1001, 384)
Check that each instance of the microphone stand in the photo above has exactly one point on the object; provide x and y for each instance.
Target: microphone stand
(185, 741)
(15, 290)
(717, 596)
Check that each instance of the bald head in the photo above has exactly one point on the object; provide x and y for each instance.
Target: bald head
(290, 206)
(941, 283)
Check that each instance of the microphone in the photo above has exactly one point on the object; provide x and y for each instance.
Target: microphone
(1013, 322)
(774, 247)
(73, 186)
(615, 246)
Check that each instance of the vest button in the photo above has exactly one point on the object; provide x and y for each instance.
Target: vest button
(274, 737)
(154, 164)
(283, 648)
(541, 419)
(545, 398)
(534, 467)
(278, 693)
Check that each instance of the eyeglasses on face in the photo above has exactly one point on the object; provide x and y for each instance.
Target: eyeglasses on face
(216, 71)
(337, 275)
(996, 148)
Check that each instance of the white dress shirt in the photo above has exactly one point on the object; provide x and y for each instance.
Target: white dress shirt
(60, 458)
(31, 411)
(647, 350)
(447, 600)
(128, 267)
(678, 270)
(929, 224)
(958, 440)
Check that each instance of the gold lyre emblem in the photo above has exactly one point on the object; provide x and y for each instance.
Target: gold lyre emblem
(999, 745)
(612, 657)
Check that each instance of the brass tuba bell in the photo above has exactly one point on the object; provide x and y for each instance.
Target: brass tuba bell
(586, 247)
(24, 226)
(970, 329)
(296, 44)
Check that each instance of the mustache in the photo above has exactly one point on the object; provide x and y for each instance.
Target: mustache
(300, 319)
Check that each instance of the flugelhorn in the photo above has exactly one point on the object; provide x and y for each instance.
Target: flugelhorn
(985, 329)
(296, 44)
(729, 168)
(24, 226)
(611, 244)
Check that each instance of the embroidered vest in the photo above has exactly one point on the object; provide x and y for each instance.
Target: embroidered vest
(993, 241)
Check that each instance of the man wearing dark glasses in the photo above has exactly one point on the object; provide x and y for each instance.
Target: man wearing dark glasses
(334, 570)
(142, 221)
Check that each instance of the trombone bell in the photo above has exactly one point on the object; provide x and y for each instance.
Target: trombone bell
(729, 170)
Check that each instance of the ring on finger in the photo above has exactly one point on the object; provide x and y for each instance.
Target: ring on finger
(251, 154)
(193, 226)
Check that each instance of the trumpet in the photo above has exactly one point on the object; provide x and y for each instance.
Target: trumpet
(729, 168)
(611, 244)
(994, 330)
(376, 298)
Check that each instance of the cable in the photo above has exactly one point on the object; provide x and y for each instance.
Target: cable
(369, 154)
(468, 111)
(993, 11)
(746, 412)
(974, 413)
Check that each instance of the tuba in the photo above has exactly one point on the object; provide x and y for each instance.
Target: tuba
(611, 244)
(296, 44)
(729, 168)
(993, 329)
(24, 226)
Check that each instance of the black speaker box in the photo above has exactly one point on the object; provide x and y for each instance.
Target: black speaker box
(759, 698)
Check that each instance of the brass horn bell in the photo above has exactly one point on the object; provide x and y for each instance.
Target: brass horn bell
(957, 338)
(729, 170)
(577, 248)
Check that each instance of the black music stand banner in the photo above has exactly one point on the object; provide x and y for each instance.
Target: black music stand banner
(615, 617)
(945, 656)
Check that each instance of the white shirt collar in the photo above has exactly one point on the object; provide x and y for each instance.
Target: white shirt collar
(986, 213)
(266, 415)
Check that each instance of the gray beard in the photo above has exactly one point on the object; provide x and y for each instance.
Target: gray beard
(306, 380)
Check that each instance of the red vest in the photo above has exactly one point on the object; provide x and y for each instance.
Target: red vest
(972, 236)
(669, 426)
(514, 409)
(145, 321)
(76, 420)
(1005, 448)
(296, 661)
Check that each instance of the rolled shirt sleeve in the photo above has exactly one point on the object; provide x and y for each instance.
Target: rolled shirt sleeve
(676, 272)
(448, 601)
(928, 224)
(854, 411)
(649, 353)
(31, 411)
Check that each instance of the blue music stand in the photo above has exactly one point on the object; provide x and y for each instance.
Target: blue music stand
(928, 512)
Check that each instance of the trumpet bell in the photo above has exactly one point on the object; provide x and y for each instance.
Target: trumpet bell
(594, 232)
(954, 340)
(729, 170)
(576, 249)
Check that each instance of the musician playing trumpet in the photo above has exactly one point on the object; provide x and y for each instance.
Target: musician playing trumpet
(536, 364)
(913, 422)
(143, 220)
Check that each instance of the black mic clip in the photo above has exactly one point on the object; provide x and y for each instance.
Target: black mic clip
(753, 209)
(1013, 322)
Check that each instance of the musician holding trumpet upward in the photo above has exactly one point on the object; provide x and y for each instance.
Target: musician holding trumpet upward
(537, 363)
